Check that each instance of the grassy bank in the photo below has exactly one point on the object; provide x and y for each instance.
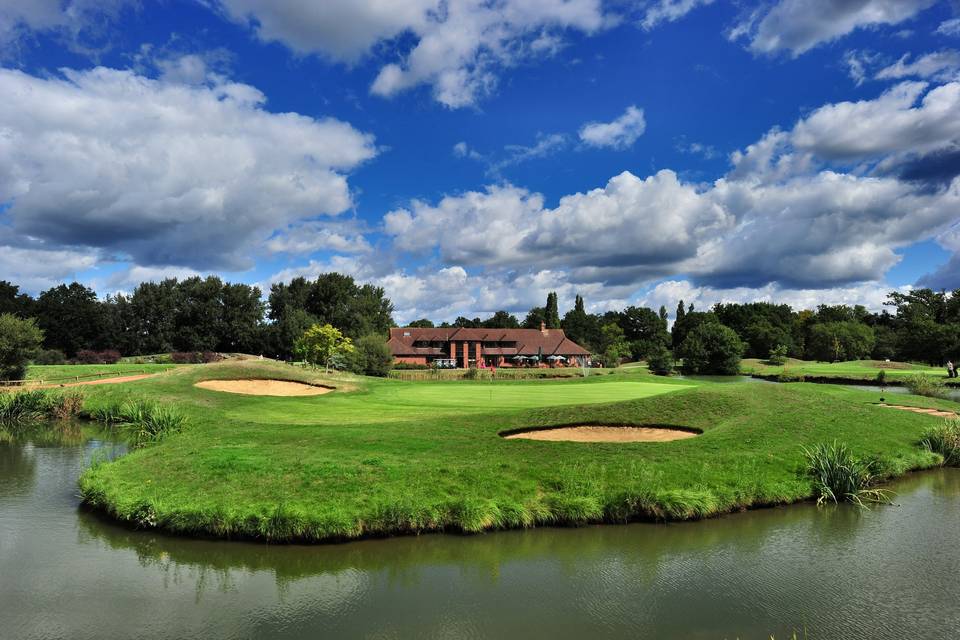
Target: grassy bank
(384, 456)
(65, 373)
(855, 370)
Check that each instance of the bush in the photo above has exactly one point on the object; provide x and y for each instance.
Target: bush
(20, 341)
(923, 384)
(881, 378)
(711, 348)
(410, 366)
(660, 360)
(88, 356)
(478, 374)
(840, 476)
(194, 357)
(50, 356)
(945, 440)
(778, 355)
(372, 356)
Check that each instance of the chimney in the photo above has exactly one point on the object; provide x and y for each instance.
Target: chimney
(543, 327)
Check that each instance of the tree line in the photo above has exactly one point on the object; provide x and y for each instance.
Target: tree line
(198, 315)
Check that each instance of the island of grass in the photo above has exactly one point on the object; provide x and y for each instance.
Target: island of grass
(382, 457)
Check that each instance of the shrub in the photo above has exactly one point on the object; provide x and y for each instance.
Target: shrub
(881, 378)
(194, 357)
(660, 360)
(50, 356)
(791, 377)
(88, 356)
(945, 440)
(839, 476)
(20, 341)
(711, 348)
(411, 366)
(474, 373)
(778, 355)
(923, 384)
(372, 356)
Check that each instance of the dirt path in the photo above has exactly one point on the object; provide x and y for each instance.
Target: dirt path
(590, 433)
(86, 383)
(930, 412)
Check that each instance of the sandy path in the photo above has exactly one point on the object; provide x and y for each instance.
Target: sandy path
(589, 433)
(87, 383)
(263, 387)
(930, 412)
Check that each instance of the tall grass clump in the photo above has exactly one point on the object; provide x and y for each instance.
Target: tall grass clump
(945, 440)
(924, 384)
(839, 476)
(22, 407)
(146, 422)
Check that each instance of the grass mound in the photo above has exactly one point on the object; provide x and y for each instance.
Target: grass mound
(397, 457)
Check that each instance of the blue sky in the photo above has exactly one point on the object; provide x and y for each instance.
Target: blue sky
(471, 155)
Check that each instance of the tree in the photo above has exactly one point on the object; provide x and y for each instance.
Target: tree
(422, 323)
(660, 360)
(71, 318)
(372, 356)
(778, 355)
(687, 322)
(581, 327)
(20, 340)
(612, 344)
(501, 320)
(535, 317)
(322, 345)
(711, 348)
(837, 341)
(644, 330)
(14, 302)
(676, 339)
(551, 312)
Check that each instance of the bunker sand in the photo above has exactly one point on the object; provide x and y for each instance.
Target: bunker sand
(284, 388)
(597, 433)
(930, 412)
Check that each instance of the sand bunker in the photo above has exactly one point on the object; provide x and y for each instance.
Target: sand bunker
(930, 412)
(264, 387)
(597, 433)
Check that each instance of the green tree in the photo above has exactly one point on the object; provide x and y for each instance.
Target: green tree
(71, 318)
(322, 345)
(660, 360)
(535, 317)
(20, 340)
(644, 330)
(711, 348)
(372, 356)
(612, 344)
(422, 323)
(501, 320)
(837, 341)
(551, 312)
(582, 327)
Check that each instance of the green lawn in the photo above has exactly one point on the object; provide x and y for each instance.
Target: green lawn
(385, 456)
(64, 372)
(854, 370)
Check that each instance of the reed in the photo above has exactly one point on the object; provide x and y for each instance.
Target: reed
(945, 440)
(839, 476)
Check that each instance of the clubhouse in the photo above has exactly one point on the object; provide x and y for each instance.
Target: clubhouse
(462, 348)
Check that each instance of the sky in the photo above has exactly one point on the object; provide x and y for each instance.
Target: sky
(474, 155)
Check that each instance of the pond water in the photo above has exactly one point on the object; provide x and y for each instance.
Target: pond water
(891, 572)
(950, 394)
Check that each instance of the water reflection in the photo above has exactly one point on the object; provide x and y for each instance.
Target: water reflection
(839, 572)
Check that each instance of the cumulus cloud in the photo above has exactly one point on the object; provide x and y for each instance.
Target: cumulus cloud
(166, 173)
(37, 269)
(71, 18)
(800, 25)
(619, 134)
(949, 27)
(459, 45)
(669, 11)
(312, 236)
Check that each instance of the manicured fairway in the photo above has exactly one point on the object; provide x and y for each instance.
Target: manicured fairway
(384, 456)
(854, 370)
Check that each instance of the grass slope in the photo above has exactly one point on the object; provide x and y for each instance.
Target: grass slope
(852, 370)
(384, 456)
(68, 372)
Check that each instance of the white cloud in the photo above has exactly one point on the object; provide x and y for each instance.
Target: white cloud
(166, 173)
(37, 269)
(619, 134)
(949, 27)
(71, 18)
(669, 11)
(459, 44)
(309, 237)
(800, 25)
(939, 65)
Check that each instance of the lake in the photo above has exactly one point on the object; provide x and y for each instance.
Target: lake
(837, 572)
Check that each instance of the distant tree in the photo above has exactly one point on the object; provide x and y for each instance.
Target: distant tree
(71, 318)
(678, 320)
(20, 340)
(582, 327)
(551, 312)
(534, 318)
(644, 330)
(612, 345)
(711, 348)
(14, 302)
(663, 315)
(660, 360)
(837, 341)
(422, 323)
(322, 345)
(467, 323)
(501, 320)
(687, 323)
(241, 319)
(372, 356)
(778, 355)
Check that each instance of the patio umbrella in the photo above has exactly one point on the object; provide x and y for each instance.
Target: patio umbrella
(554, 357)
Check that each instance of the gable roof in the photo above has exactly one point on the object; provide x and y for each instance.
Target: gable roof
(529, 342)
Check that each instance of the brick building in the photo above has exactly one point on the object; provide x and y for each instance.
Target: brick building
(463, 348)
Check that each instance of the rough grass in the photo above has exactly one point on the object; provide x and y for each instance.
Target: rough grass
(387, 457)
(944, 439)
(18, 408)
(840, 476)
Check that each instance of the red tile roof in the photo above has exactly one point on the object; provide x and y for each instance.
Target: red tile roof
(529, 342)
